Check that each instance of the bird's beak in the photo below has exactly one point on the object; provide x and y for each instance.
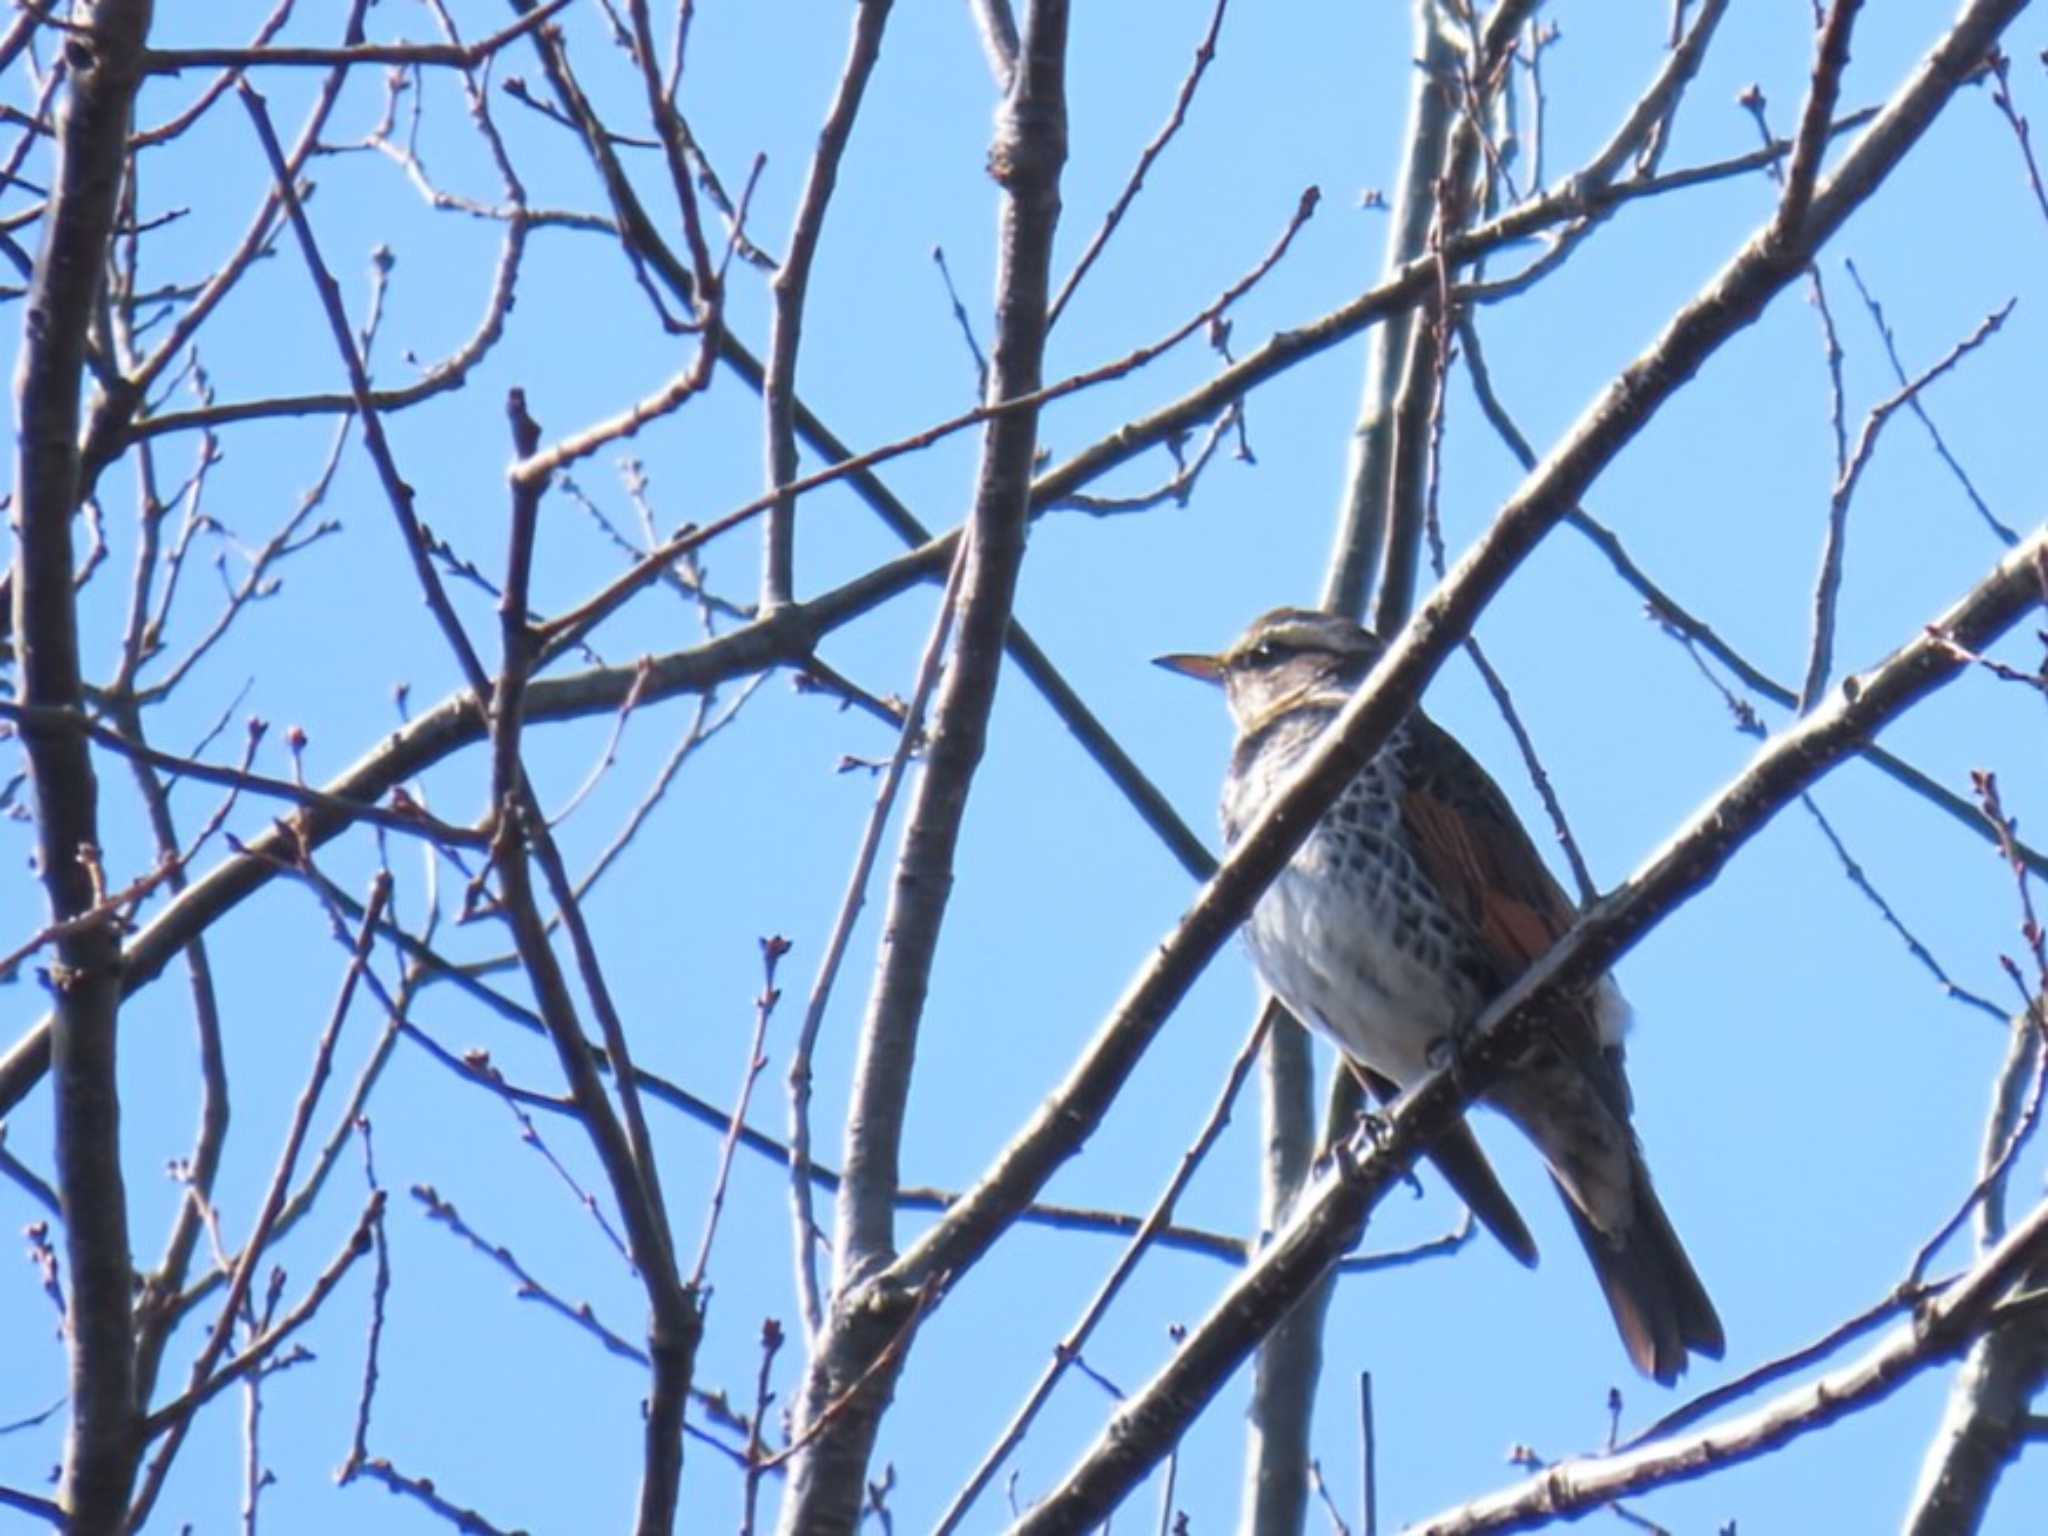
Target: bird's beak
(1206, 669)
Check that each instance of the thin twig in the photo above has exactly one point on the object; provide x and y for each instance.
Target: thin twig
(170, 61)
(1069, 1348)
(1205, 55)
(1891, 351)
(173, 1422)
(1821, 655)
(756, 1461)
(805, 1245)
(773, 949)
(2001, 98)
(966, 325)
(791, 286)
(396, 490)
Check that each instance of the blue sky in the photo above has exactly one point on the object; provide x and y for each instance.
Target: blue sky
(1810, 1102)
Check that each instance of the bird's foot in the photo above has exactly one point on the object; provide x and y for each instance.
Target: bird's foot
(1447, 1054)
(1341, 1154)
(1369, 1134)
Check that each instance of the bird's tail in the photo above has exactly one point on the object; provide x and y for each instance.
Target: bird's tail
(1659, 1304)
(1575, 1108)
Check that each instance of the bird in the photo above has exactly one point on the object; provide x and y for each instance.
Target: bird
(1416, 900)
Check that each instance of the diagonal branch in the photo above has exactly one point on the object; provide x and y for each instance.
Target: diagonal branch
(1944, 1328)
(396, 490)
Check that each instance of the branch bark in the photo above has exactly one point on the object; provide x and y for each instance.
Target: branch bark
(790, 287)
(1945, 1327)
(1985, 1424)
(1361, 520)
(101, 1450)
(861, 1350)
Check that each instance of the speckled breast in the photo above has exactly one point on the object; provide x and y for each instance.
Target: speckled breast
(1352, 936)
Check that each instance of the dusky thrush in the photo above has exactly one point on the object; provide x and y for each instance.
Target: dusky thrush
(1417, 899)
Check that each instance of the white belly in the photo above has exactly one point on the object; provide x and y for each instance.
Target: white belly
(1376, 1002)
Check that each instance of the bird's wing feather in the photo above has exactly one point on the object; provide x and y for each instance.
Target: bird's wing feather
(1477, 854)
(1486, 869)
(1570, 1093)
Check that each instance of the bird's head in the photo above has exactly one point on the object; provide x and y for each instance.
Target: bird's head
(1286, 657)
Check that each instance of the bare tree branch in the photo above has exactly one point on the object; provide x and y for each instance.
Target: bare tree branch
(169, 61)
(1945, 1327)
(625, 1150)
(1431, 115)
(103, 1444)
(1205, 54)
(870, 1325)
(396, 490)
(805, 1245)
(791, 286)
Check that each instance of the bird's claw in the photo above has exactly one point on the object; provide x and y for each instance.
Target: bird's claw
(1447, 1054)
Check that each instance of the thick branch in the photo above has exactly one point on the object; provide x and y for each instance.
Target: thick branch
(92, 137)
(862, 1347)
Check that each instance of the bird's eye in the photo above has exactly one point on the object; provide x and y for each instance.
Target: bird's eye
(1264, 654)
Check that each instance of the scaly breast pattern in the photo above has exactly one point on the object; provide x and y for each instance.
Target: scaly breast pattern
(1352, 936)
